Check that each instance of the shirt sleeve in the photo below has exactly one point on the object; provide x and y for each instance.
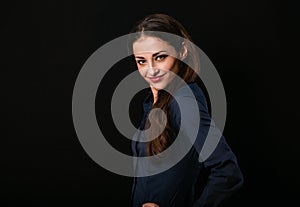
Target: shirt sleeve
(224, 177)
(224, 174)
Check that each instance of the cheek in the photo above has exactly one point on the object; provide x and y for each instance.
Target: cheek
(142, 72)
(169, 65)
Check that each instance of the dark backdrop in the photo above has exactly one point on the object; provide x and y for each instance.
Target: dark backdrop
(45, 44)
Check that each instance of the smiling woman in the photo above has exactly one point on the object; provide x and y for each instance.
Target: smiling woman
(190, 182)
(155, 59)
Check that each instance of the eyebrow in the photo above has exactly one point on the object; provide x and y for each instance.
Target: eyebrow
(154, 54)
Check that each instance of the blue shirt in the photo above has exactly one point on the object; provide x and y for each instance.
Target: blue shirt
(190, 182)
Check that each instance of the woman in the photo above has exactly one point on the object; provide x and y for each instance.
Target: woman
(190, 182)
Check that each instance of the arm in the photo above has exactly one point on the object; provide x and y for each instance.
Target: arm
(224, 174)
(224, 177)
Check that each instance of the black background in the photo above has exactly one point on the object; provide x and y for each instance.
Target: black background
(45, 44)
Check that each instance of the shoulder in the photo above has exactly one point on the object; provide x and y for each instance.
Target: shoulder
(187, 94)
(188, 105)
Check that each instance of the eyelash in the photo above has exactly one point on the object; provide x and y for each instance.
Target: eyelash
(157, 58)
(161, 56)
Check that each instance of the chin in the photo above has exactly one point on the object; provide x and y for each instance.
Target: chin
(158, 86)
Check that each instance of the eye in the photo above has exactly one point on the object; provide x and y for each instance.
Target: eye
(140, 62)
(161, 57)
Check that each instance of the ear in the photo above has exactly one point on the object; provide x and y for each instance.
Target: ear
(183, 52)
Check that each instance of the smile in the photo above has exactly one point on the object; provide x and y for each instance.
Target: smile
(156, 78)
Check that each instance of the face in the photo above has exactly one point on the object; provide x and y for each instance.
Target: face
(156, 61)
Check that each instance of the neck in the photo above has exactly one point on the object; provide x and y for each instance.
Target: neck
(155, 94)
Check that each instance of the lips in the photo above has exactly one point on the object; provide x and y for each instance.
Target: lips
(156, 78)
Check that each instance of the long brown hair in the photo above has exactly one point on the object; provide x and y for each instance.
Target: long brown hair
(166, 23)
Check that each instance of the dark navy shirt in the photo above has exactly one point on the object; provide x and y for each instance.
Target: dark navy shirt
(190, 182)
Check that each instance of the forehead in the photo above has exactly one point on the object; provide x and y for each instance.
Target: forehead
(148, 44)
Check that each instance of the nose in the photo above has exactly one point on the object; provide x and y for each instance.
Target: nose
(152, 70)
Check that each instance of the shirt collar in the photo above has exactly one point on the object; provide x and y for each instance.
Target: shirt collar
(148, 100)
